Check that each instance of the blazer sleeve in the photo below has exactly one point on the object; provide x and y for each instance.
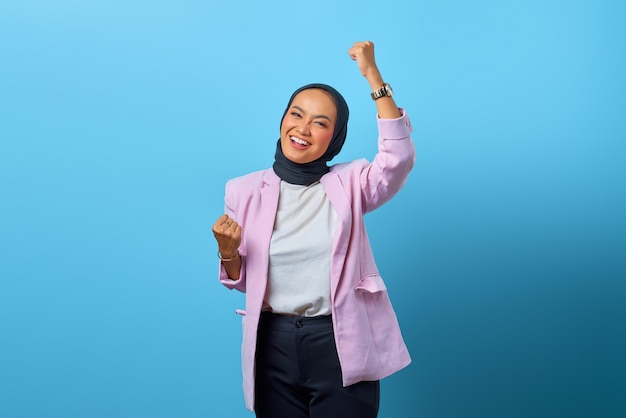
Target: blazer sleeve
(389, 170)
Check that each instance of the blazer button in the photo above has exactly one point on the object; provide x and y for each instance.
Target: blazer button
(299, 324)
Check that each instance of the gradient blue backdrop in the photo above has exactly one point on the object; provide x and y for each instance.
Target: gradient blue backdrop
(120, 122)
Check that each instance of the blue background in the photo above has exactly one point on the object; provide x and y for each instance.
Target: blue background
(120, 122)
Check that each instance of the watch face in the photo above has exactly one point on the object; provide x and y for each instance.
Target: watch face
(388, 90)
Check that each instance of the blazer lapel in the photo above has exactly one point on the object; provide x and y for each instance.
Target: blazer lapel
(263, 228)
(338, 199)
(270, 192)
(261, 216)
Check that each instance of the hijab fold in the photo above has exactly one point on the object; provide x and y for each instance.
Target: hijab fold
(308, 173)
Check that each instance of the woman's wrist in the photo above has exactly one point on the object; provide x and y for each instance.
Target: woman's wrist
(227, 259)
(375, 80)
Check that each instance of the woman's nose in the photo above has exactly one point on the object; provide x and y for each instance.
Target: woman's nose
(303, 128)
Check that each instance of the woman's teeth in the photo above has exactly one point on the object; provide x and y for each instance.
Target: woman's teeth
(299, 141)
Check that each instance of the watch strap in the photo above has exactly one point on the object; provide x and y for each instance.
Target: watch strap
(384, 91)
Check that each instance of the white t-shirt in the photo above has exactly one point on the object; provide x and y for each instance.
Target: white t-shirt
(300, 252)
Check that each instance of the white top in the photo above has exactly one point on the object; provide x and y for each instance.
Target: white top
(300, 252)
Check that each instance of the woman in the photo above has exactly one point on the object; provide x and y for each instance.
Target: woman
(319, 331)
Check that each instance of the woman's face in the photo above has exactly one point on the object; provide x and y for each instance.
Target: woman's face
(308, 126)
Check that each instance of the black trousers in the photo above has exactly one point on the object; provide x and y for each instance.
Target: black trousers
(298, 373)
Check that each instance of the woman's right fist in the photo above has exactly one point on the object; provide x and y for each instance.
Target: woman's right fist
(228, 235)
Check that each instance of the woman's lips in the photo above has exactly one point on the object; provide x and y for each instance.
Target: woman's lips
(298, 142)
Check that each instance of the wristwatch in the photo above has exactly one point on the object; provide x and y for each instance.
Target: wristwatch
(385, 90)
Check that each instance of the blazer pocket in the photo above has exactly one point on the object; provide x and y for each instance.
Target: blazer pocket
(371, 284)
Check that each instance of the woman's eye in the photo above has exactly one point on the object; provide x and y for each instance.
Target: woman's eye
(296, 114)
(322, 124)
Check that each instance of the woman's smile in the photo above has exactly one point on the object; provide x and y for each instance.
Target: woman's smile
(299, 142)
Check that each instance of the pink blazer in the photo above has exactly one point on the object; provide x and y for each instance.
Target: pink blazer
(369, 343)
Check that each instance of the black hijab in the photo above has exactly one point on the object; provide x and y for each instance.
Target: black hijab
(308, 173)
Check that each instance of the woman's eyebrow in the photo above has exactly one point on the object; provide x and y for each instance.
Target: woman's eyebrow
(314, 116)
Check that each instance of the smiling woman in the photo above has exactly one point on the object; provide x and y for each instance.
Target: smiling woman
(319, 328)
